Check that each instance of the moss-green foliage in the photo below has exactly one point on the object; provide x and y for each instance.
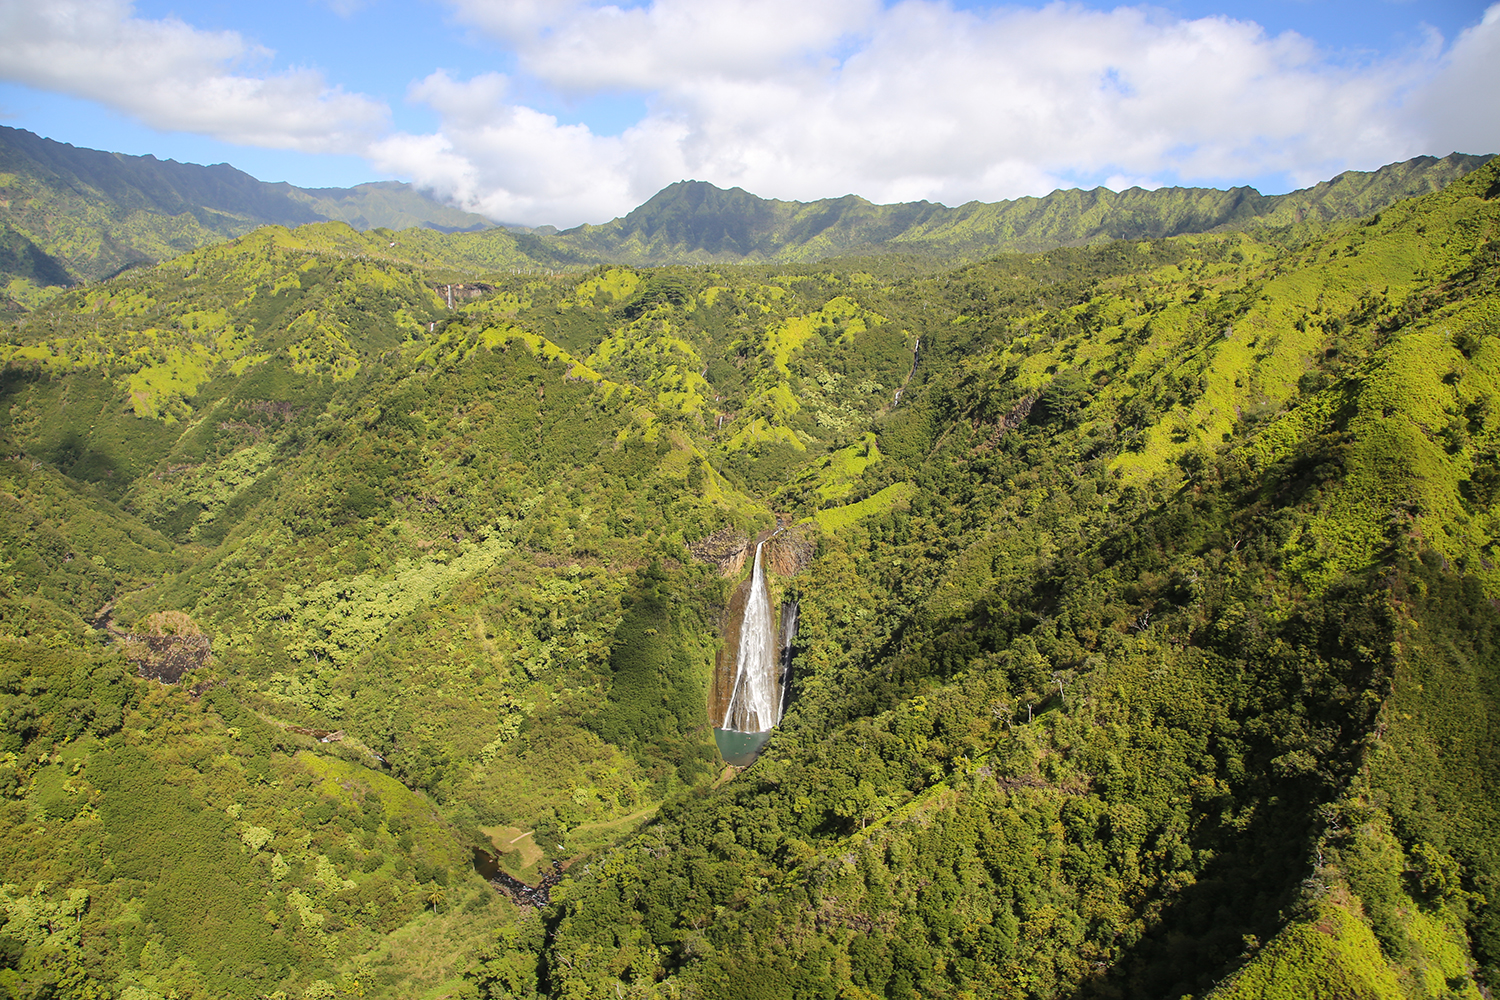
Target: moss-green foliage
(1434, 759)
(1144, 620)
(65, 551)
(836, 518)
(657, 687)
(1101, 751)
(1331, 953)
(1400, 933)
(209, 855)
(210, 860)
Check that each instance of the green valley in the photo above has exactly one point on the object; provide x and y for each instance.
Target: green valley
(1146, 555)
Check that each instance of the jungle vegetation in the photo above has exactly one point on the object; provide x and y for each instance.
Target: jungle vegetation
(1148, 639)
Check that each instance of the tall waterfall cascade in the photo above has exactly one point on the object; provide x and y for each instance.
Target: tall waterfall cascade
(756, 701)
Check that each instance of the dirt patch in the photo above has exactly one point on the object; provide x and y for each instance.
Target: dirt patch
(788, 551)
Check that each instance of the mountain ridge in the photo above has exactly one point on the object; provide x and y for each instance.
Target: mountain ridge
(89, 214)
(762, 230)
(93, 213)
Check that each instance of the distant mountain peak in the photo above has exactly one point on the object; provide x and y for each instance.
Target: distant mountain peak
(144, 209)
(148, 208)
(694, 221)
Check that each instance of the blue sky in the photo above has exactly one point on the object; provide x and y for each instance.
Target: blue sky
(568, 111)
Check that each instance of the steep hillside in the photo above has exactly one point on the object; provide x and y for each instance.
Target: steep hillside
(1135, 681)
(1146, 640)
(87, 214)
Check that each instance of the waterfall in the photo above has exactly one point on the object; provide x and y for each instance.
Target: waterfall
(755, 703)
(788, 636)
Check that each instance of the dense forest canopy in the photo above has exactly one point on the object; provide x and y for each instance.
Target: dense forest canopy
(1147, 635)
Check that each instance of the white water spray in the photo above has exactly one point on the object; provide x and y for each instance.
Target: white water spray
(755, 703)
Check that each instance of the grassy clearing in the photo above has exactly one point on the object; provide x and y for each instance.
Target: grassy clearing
(843, 468)
(588, 837)
(835, 519)
(513, 842)
(426, 958)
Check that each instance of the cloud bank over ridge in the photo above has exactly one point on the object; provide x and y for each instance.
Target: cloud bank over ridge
(174, 77)
(789, 99)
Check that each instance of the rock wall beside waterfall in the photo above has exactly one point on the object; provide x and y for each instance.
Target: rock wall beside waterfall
(728, 655)
(786, 550)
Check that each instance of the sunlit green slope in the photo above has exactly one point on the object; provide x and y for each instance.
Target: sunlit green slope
(1177, 659)
(1145, 598)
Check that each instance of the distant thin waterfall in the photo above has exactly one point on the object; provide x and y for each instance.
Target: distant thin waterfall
(788, 636)
(755, 703)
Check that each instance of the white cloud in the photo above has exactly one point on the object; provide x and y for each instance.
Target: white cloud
(918, 100)
(799, 99)
(346, 8)
(672, 41)
(515, 21)
(174, 77)
(1459, 111)
(516, 164)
